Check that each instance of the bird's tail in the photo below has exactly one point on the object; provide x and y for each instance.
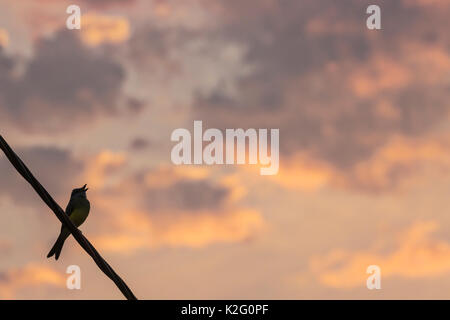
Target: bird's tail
(57, 247)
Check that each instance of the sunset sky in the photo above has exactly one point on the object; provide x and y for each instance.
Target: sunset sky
(364, 124)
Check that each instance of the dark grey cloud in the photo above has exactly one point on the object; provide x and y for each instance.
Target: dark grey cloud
(140, 143)
(175, 195)
(4, 278)
(6, 68)
(55, 168)
(315, 109)
(186, 195)
(151, 47)
(63, 86)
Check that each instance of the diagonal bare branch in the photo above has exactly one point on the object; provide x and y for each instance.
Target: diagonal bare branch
(60, 214)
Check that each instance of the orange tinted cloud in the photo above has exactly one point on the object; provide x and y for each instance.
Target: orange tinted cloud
(425, 64)
(100, 29)
(399, 156)
(382, 73)
(390, 164)
(304, 173)
(215, 217)
(431, 63)
(32, 275)
(206, 228)
(417, 255)
(101, 165)
(196, 230)
(163, 9)
(4, 38)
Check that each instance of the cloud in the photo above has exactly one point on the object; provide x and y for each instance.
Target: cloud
(194, 231)
(28, 277)
(101, 166)
(139, 143)
(101, 29)
(304, 173)
(55, 168)
(186, 195)
(392, 163)
(107, 3)
(337, 93)
(173, 207)
(177, 190)
(160, 189)
(432, 3)
(5, 247)
(416, 255)
(51, 16)
(165, 175)
(64, 86)
(6, 72)
(4, 38)
(387, 169)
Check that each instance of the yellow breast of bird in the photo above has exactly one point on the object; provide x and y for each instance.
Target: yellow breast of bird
(80, 213)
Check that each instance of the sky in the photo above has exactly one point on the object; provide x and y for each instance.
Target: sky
(364, 126)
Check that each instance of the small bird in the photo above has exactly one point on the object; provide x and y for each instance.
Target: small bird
(77, 210)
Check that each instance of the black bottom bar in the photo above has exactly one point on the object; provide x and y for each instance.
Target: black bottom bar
(227, 309)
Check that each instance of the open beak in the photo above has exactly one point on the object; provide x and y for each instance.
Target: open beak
(84, 188)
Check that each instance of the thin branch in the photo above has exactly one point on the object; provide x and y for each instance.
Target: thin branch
(64, 218)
